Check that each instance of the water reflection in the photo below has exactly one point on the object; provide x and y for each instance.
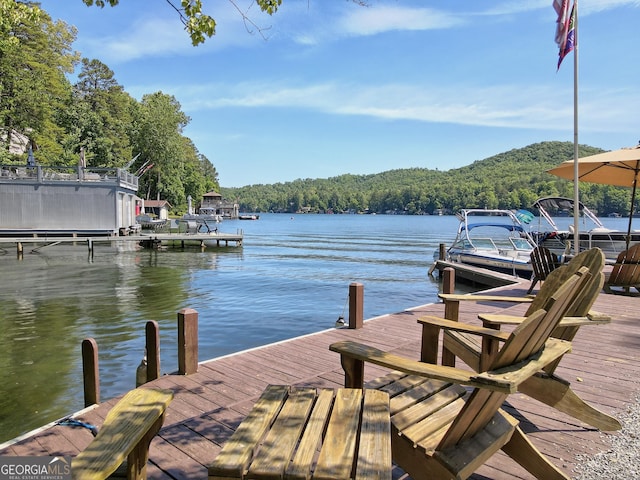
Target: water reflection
(290, 278)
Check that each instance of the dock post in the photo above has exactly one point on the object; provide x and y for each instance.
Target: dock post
(187, 341)
(442, 251)
(152, 337)
(356, 305)
(451, 312)
(20, 249)
(90, 373)
(449, 280)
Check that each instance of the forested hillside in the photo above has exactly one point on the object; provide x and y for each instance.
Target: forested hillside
(513, 179)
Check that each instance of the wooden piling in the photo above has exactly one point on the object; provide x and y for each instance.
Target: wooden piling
(90, 372)
(187, 341)
(442, 252)
(356, 305)
(152, 337)
(451, 312)
(449, 280)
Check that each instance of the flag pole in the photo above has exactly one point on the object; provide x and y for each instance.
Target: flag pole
(576, 174)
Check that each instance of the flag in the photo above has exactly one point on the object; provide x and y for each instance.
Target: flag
(562, 23)
(145, 169)
(570, 40)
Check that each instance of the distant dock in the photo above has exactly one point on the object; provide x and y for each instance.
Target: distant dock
(39, 240)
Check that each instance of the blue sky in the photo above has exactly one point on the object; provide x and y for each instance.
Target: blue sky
(331, 87)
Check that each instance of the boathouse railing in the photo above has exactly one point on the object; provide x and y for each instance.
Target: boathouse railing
(55, 174)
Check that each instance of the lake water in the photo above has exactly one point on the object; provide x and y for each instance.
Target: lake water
(290, 278)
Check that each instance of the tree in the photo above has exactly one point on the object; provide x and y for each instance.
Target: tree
(102, 113)
(35, 55)
(198, 24)
(158, 139)
(200, 175)
(12, 14)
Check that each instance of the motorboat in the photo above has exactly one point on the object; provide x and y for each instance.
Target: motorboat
(592, 233)
(148, 222)
(493, 239)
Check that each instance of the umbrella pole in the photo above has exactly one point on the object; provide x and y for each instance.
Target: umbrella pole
(633, 199)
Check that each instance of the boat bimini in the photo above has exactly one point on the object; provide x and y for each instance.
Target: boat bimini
(493, 239)
(592, 232)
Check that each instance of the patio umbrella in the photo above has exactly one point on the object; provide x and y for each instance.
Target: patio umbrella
(618, 167)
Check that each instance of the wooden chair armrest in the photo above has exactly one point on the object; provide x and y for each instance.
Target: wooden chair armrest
(463, 327)
(381, 358)
(125, 434)
(516, 374)
(598, 317)
(505, 380)
(366, 353)
(482, 298)
(496, 320)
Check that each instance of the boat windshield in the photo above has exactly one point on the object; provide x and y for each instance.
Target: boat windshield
(484, 244)
(520, 244)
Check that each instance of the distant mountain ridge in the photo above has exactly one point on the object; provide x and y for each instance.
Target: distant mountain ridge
(513, 179)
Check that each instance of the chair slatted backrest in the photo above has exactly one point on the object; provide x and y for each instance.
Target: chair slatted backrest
(526, 340)
(594, 260)
(626, 271)
(543, 262)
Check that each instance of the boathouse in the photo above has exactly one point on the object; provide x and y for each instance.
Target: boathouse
(158, 208)
(50, 201)
(213, 203)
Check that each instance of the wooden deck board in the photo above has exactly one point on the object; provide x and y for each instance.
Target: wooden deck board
(208, 406)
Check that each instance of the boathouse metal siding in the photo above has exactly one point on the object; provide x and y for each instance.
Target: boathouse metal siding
(83, 201)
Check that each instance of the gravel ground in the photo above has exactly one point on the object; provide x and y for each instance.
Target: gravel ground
(622, 460)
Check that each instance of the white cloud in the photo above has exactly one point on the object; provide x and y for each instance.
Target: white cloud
(374, 20)
(504, 106)
(161, 34)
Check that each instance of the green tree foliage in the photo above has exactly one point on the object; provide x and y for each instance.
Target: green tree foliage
(198, 24)
(200, 176)
(158, 139)
(201, 26)
(100, 117)
(35, 55)
(38, 102)
(509, 180)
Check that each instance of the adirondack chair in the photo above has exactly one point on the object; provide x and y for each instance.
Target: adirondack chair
(545, 386)
(543, 262)
(441, 431)
(626, 273)
(125, 434)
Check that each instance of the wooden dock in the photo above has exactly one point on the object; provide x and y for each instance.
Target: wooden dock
(603, 369)
(476, 275)
(150, 240)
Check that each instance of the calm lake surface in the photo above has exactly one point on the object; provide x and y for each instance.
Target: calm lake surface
(290, 278)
